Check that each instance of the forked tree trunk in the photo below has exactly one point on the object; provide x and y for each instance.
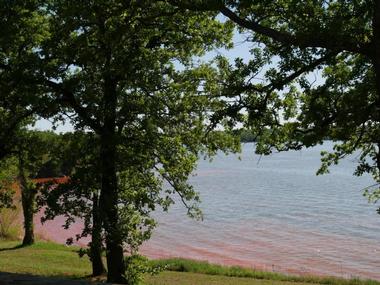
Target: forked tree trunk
(96, 243)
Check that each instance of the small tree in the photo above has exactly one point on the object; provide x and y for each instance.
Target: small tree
(31, 154)
(22, 32)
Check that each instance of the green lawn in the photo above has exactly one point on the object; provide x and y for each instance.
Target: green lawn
(49, 259)
(188, 278)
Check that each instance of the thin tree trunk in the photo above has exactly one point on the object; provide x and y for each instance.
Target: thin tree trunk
(96, 243)
(28, 195)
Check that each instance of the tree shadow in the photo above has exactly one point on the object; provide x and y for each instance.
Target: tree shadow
(12, 248)
(30, 279)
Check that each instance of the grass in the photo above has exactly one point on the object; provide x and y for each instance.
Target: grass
(49, 259)
(42, 258)
(188, 278)
(202, 267)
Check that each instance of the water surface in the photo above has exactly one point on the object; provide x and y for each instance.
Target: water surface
(272, 213)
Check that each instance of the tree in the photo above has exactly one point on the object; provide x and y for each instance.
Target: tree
(125, 70)
(290, 107)
(25, 160)
(78, 197)
(22, 32)
(31, 156)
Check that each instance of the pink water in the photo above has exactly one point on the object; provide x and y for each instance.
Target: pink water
(264, 246)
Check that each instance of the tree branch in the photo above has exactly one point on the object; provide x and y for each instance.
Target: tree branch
(309, 67)
(308, 42)
(69, 98)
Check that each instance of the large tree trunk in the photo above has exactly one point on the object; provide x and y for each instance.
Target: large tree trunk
(109, 191)
(109, 211)
(376, 64)
(376, 46)
(96, 242)
(28, 195)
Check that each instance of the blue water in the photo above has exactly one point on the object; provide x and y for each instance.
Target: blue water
(284, 187)
(274, 213)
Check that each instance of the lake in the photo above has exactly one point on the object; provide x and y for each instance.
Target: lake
(274, 213)
(271, 213)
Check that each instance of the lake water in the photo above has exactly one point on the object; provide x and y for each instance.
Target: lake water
(273, 213)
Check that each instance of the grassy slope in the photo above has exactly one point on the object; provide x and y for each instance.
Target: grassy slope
(46, 259)
(185, 265)
(188, 278)
(50, 259)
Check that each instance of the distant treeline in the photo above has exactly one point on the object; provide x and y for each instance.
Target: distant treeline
(247, 136)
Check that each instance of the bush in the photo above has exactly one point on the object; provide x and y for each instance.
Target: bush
(136, 266)
(9, 227)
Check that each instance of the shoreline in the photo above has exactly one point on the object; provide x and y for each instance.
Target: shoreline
(52, 231)
(173, 270)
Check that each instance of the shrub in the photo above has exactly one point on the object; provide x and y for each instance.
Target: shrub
(136, 266)
(9, 227)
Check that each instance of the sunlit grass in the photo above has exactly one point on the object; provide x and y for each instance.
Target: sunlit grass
(55, 260)
(42, 258)
(202, 267)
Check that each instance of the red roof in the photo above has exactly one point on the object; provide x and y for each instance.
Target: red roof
(56, 180)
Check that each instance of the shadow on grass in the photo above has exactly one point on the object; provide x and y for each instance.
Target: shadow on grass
(29, 279)
(12, 248)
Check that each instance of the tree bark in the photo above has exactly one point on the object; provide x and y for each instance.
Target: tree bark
(109, 191)
(28, 195)
(96, 242)
(109, 210)
(376, 46)
(376, 64)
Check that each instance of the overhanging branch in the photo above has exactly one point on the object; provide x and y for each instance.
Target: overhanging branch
(310, 41)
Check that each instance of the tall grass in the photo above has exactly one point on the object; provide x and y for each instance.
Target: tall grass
(203, 267)
(9, 223)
